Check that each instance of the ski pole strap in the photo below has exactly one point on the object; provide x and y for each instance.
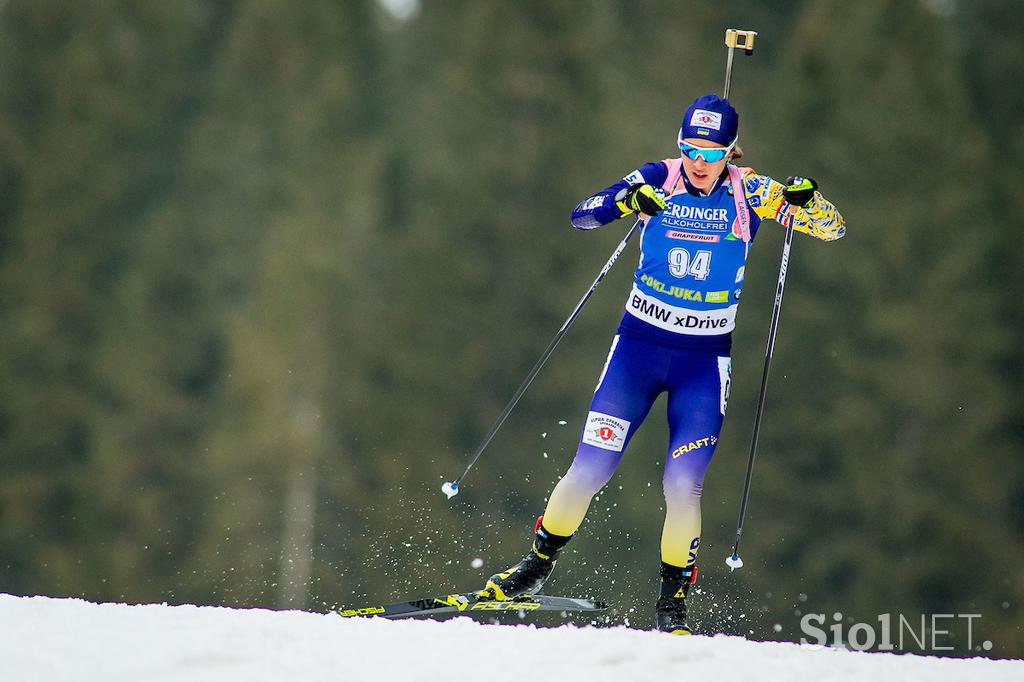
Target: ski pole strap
(741, 228)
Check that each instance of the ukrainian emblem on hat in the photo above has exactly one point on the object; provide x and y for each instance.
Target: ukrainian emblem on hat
(710, 118)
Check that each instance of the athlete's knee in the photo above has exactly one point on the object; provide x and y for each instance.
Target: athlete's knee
(682, 489)
(684, 474)
(589, 474)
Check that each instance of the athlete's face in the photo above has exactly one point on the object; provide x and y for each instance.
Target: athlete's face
(700, 173)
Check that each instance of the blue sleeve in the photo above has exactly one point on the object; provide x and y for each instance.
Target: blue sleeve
(600, 209)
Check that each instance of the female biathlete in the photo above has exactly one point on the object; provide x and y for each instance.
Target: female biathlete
(700, 215)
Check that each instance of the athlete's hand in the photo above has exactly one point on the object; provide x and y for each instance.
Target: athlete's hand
(642, 198)
(799, 191)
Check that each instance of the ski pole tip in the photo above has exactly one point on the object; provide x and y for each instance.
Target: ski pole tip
(734, 561)
(450, 489)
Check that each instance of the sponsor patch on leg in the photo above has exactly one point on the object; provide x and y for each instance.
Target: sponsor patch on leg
(605, 431)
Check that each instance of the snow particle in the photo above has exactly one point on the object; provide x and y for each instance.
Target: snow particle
(477, 562)
(562, 422)
(986, 645)
(777, 627)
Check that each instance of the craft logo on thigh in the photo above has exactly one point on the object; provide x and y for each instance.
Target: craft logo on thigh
(693, 445)
(605, 431)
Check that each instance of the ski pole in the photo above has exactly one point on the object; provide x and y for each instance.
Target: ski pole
(733, 560)
(732, 41)
(451, 488)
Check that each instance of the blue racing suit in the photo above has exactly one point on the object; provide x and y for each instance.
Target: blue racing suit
(675, 336)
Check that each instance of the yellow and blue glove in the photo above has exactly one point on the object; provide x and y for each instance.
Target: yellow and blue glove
(641, 198)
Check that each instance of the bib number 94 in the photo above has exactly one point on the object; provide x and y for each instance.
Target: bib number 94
(681, 264)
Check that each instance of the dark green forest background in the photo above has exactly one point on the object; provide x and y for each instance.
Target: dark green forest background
(269, 270)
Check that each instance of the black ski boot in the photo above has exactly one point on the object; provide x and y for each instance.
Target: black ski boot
(671, 608)
(529, 575)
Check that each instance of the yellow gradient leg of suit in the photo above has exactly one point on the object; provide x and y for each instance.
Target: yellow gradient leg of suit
(638, 372)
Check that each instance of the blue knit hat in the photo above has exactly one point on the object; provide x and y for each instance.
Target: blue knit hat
(710, 118)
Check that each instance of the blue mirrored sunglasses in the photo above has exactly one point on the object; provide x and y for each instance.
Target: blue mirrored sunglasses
(711, 155)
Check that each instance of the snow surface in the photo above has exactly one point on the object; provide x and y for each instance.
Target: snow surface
(68, 639)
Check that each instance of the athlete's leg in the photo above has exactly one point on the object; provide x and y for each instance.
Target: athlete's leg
(698, 391)
(632, 379)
